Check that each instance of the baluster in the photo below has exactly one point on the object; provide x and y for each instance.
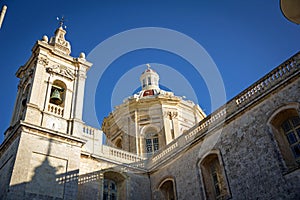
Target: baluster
(288, 67)
(280, 71)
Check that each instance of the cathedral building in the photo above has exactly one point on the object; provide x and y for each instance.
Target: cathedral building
(159, 145)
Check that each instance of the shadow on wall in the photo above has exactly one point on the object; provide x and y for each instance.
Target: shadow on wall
(49, 179)
(102, 184)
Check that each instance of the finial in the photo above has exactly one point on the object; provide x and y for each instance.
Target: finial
(45, 38)
(148, 66)
(82, 55)
(61, 21)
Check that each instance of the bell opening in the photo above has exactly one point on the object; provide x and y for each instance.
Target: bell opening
(56, 96)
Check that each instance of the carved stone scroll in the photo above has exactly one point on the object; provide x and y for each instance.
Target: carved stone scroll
(61, 70)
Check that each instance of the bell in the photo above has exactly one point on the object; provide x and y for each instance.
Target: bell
(55, 97)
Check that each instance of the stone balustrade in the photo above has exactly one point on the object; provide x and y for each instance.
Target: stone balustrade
(165, 152)
(205, 123)
(120, 155)
(88, 130)
(269, 80)
(57, 110)
(185, 139)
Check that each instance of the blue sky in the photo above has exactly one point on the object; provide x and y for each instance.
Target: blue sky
(245, 39)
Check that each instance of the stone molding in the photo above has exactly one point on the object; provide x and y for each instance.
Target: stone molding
(61, 70)
(172, 114)
(42, 61)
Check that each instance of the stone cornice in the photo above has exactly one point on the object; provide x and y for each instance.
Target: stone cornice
(33, 129)
(123, 165)
(50, 48)
(43, 58)
(271, 82)
(42, 44)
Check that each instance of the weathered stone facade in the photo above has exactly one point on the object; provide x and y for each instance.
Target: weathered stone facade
(251, 159)
(240, 151)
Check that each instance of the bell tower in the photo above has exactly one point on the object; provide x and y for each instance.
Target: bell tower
(51, 87)
(40, 155)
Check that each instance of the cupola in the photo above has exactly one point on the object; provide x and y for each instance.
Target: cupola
(149, 79)
(149, 82)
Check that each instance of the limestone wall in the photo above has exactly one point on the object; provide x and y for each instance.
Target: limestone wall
(252, 159)
(252, 162)
(45, 167)
(7, 159)
(131, 184)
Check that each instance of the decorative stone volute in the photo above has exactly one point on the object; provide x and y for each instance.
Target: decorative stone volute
(59, 42)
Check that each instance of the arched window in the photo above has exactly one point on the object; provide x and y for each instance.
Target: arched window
(26, 95)
(152, 143)
(213, 177)
(114, 186)
(109, 190)
(119, 143)
(285, 126)
(149, 81)
(291, 129)
(25, 99)
(167, 188)
(57, 94)
(151, 140)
